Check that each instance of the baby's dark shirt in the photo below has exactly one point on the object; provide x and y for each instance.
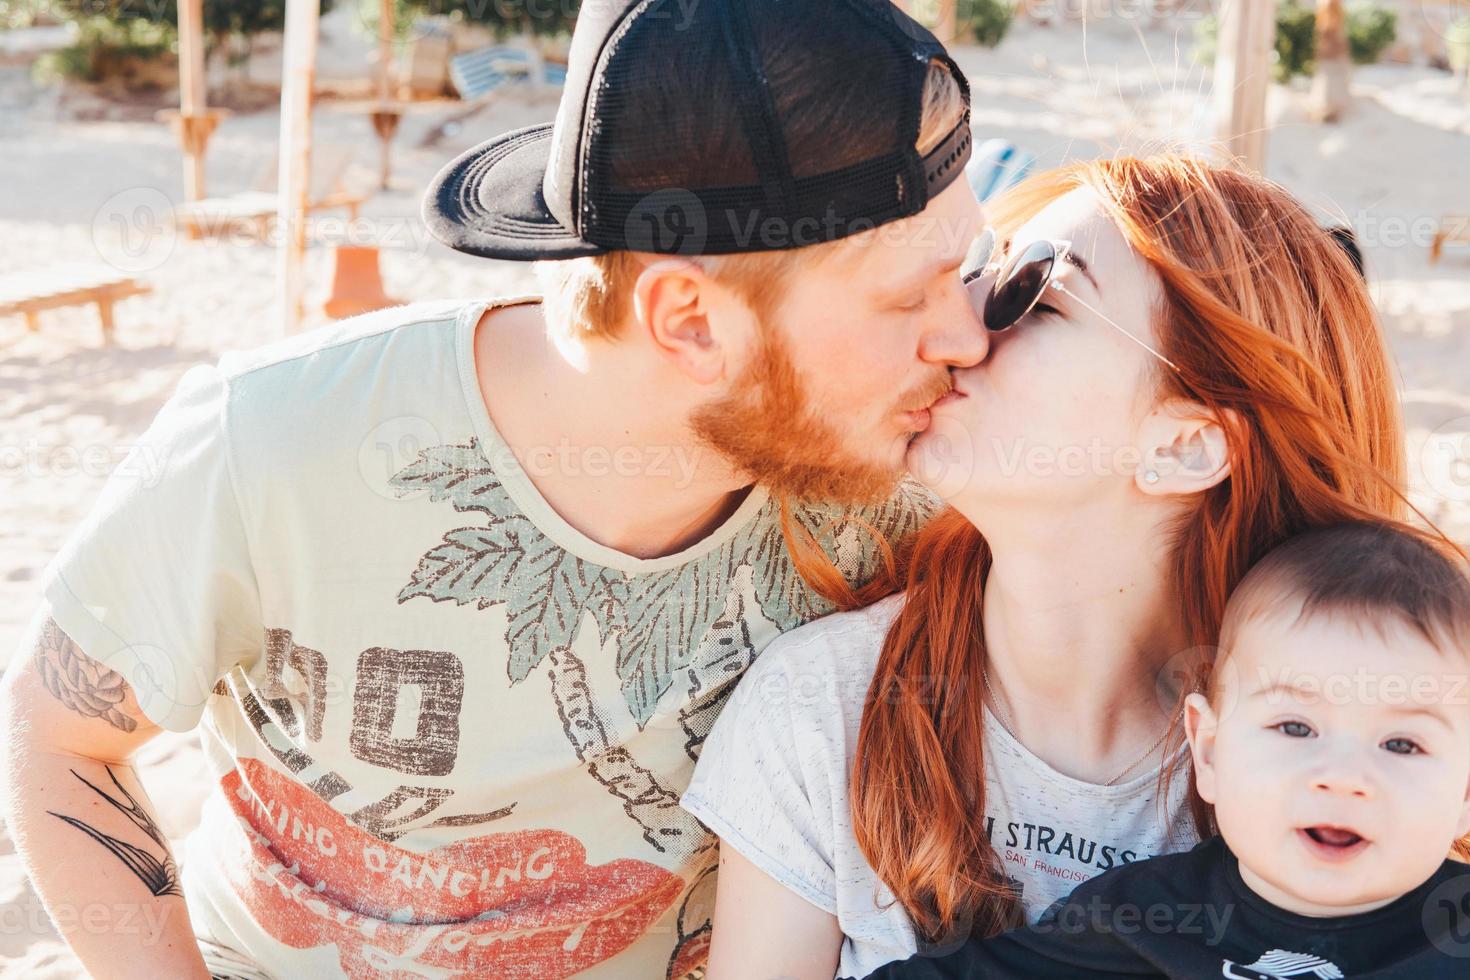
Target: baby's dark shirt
(1189, 915)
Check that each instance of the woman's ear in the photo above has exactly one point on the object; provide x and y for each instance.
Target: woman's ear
(1200, 727)
(1185, 449)
(671, 304)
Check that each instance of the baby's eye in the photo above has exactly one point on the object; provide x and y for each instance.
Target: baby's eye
(1295, 729)
(1403, 746)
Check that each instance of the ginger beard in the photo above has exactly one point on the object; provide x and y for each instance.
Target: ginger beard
(767, 428)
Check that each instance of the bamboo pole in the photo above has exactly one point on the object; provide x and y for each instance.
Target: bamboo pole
(1242, 78)
(293, 182)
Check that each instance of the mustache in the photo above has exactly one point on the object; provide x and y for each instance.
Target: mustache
(928, 393)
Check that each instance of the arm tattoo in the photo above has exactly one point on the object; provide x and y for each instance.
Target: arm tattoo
(159, 874)
(79, 682)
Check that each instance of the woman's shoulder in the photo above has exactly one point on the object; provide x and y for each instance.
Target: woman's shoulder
(812, 679)
(836, 653)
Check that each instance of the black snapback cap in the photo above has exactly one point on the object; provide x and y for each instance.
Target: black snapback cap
(710, 127)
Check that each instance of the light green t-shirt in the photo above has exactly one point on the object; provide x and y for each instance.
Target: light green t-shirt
(449, 731)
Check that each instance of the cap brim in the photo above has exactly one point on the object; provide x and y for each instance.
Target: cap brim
(488, 201)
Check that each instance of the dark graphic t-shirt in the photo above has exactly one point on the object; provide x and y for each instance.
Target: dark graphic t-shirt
(449, 731)
(1191, 917)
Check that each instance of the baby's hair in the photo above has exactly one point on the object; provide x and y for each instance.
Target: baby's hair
(1371, 572)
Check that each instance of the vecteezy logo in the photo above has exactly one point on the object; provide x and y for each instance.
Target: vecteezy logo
(1446, 917)
(1445, 459)
(1278, 964)
(390, 446)
(132, 231)
(669, 221)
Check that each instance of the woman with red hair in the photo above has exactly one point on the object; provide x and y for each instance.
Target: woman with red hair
(1184, 371)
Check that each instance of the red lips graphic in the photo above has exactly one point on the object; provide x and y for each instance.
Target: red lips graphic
(522, 904)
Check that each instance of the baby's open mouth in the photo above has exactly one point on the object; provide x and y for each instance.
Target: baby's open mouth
(1332, 843)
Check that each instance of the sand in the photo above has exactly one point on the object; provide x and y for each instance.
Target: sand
(70, 408)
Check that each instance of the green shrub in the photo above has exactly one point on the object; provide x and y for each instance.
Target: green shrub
(111, 44)
(1370, 31)
(1296, 40)
(986, 20)
(105, 48)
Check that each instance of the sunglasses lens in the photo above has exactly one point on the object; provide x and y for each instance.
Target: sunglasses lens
(1020, 285)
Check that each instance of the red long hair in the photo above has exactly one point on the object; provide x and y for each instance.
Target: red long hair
(1265, 316)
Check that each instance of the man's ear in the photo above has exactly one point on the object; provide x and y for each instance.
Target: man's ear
(1200, 727)
(1185, 449)
(671, 303)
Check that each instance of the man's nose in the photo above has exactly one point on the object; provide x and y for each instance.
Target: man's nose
(956, 336)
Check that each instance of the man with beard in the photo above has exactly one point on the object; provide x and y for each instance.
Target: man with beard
(454, 591)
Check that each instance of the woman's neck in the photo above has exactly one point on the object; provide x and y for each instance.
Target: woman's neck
(1080, 625)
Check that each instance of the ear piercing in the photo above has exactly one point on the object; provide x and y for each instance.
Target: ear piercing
(1151, 476)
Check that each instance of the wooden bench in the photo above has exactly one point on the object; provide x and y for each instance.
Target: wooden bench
(55, 287)
(336, 182)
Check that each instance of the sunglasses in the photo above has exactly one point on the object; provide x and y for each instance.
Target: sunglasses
(1022, 282)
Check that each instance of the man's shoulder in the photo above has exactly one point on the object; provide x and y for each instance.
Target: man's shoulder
(322, 347)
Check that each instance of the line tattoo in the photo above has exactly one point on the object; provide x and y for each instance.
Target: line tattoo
(159, 874)
(79, 682)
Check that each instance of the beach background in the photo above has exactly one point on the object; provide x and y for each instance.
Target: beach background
(86, 178)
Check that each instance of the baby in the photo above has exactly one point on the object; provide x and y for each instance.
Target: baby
(1334, 743)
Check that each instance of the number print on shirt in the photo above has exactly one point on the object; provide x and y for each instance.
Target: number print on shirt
(272, 713)
(382, 677)
(310, 665)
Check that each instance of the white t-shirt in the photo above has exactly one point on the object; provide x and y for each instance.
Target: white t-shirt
(773, 783)
(448, 731)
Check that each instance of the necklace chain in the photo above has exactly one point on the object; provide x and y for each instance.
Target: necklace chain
(1004, 717)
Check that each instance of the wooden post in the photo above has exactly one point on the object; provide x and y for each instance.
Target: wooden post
(191, 89)
(1334, 67)
(385, 51)
(193, 122)
(1242, 77)
(385, 116)
(293, 182)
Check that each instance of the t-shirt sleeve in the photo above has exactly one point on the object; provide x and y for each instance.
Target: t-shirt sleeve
(760, 784)
(157, 581)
